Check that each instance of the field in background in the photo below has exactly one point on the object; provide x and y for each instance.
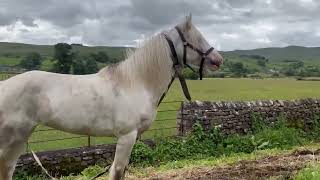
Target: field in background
(208, 89)
(20, 50)
(4, 76)
(265, 62)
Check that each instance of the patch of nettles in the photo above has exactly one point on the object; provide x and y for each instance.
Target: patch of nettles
(201, 144)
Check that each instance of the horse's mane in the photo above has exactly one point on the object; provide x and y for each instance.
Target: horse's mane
(148, 62)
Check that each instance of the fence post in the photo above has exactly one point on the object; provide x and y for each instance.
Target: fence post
(27, 147)
(89, 140)
(181, 120)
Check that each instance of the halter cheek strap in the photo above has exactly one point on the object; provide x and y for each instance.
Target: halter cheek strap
(178, 66)
(178, 72)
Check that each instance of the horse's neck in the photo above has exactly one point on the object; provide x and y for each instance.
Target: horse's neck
(148, 68)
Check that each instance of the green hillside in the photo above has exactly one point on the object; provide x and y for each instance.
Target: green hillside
(20, 50)
(286, 53)
(276, 54)
(261, 62)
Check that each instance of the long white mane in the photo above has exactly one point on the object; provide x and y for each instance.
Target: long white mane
(150, 63)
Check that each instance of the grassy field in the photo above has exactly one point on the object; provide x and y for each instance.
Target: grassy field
(208, 89)
(9, 61)
(4, 76)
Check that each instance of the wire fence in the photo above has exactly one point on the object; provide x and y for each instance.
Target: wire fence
(45, 138)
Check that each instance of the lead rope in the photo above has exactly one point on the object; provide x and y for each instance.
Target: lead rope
(40, 164)
(52, 178)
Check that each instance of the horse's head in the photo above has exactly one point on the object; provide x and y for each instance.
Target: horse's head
(198, 53)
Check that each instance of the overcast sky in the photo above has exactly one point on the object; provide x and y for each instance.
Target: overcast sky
(227, 24)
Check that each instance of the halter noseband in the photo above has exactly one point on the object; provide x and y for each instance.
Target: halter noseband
(178, 66)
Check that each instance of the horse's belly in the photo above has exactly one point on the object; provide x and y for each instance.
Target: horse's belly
(82, 129)
(81, 115)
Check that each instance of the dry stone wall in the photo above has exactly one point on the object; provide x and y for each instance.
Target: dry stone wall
(236, 117)
(65, 162)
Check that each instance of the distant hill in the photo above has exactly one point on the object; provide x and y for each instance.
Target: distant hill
(282, 54)
(277, 54)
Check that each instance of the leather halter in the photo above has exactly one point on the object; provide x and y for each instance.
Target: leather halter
(178, 66)
(200, 52)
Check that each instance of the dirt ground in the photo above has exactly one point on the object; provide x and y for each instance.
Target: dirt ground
(278, 167)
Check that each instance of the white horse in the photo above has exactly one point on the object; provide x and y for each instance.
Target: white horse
(120, 100)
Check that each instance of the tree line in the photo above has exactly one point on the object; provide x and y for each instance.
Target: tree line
(66, 61)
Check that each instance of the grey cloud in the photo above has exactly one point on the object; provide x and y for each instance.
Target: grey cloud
(300, 38)
(62, 13)
(168, 11)
(116, 22)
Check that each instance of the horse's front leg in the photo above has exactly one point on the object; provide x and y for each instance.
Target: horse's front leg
(124, 147)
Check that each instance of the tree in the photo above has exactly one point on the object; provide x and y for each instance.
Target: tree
(79, 66)
(188, 74)
(31, 61)
(238, 69)
(298, 65)
(84, 65)
(261, 62)
(101, 57)
(63, 57)
(290, 72)
(92, 66)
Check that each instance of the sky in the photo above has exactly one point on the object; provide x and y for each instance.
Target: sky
(226, 24)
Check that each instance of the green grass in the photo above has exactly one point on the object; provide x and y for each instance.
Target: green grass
(246, 89)
(185, 164)
(9, 61)
(219, 161)
(4, 76)
(47, 64)
(312, 172)
(208, 89)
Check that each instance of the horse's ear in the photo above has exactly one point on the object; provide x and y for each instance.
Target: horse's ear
(188, 22)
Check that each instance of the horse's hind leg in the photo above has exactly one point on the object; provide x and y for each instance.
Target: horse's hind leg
(9, 158)
(124, 147)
